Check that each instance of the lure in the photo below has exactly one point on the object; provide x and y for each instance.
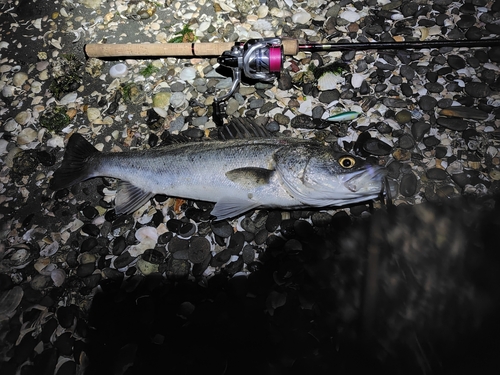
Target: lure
(344, 116)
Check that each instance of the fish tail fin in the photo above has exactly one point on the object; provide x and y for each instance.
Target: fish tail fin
(75, 166)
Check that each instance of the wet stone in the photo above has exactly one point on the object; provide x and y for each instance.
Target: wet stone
(464, 112)
(435, 87)
(248, 225)
(403, 116)
(427, 102)
(222, 228)
(261, 236)
(477, 89)
(273, 221)
(377, 147)
(456, 62)
(437, 174)
(234, 267)
(88, 244)
(178, 244)
(236, 243)
(431, 141)
(419, 129)
(248, 254)
(123, 260)
(177, 269)
(406, 141)
(221, 258)
(199, 249)
(408, 185)
(85, 270)
(452, 123)
(302, 122)
(187, 229)
(321, 219)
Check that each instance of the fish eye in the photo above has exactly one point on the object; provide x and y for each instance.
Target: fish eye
(347, 162)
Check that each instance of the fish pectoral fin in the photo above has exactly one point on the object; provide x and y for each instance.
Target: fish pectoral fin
(230, 207)
(129, 198)
(250, 177)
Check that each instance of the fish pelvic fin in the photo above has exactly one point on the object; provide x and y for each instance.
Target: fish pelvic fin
(229, 207)
(129, 198)
(75, 166)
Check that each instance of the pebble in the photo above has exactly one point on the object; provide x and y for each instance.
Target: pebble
(427, 103)
(477, 89)
(437, 174)
(464, 112)
(408, 186)
(452, 123)
(199, 249)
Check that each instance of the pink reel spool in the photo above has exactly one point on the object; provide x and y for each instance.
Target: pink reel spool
(275, 58)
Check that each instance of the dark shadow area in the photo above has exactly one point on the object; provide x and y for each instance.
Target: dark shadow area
(309, 306)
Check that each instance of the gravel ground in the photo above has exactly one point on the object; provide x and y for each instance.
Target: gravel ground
(407, 286)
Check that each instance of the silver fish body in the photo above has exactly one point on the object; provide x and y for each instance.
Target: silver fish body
(239, 175)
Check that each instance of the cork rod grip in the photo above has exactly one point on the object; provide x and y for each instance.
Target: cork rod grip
(290, 47)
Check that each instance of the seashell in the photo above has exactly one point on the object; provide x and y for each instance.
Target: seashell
(178, 101)
(3, 146)
(58, 276)
(26, 136)
(350, 16)
(262, 25)
(8, 91)
(301, 17)
(280, 13)
(357, 80)
(188, 73)
(50, 249)
(19, 79)
(9, 301)
(4, 44)
(146, 234)
(263, 11)
(36, 87)
(330, 81)
(93, 114)
(68, 98)
(23, 117)
(118, 70)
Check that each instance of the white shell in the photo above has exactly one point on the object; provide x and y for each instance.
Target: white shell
(26, 136)
(118, 70)
(330, 81)
(350, 16)
(356, 80)
(301, 17)
(68, 98)
(188, 73)
(58, 276)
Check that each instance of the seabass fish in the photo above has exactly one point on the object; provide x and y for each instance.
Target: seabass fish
(238, 175)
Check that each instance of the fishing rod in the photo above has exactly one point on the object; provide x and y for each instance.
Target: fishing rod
(260, 59)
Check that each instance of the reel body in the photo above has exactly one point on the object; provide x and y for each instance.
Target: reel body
(257, 59)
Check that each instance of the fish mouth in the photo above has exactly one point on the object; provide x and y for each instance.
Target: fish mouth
(368, 181)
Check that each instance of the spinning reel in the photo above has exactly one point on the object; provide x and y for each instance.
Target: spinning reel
(257, 59)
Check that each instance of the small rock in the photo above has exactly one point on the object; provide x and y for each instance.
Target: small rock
(477, 89)
(452, 123)
(408, 185)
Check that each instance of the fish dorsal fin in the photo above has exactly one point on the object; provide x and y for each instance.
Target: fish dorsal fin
(250, 177)
(242, 128)
(230, 207)
(129, 198)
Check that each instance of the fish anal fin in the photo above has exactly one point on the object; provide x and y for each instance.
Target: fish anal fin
(129, 198)
(231, 207)
(250, 177)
